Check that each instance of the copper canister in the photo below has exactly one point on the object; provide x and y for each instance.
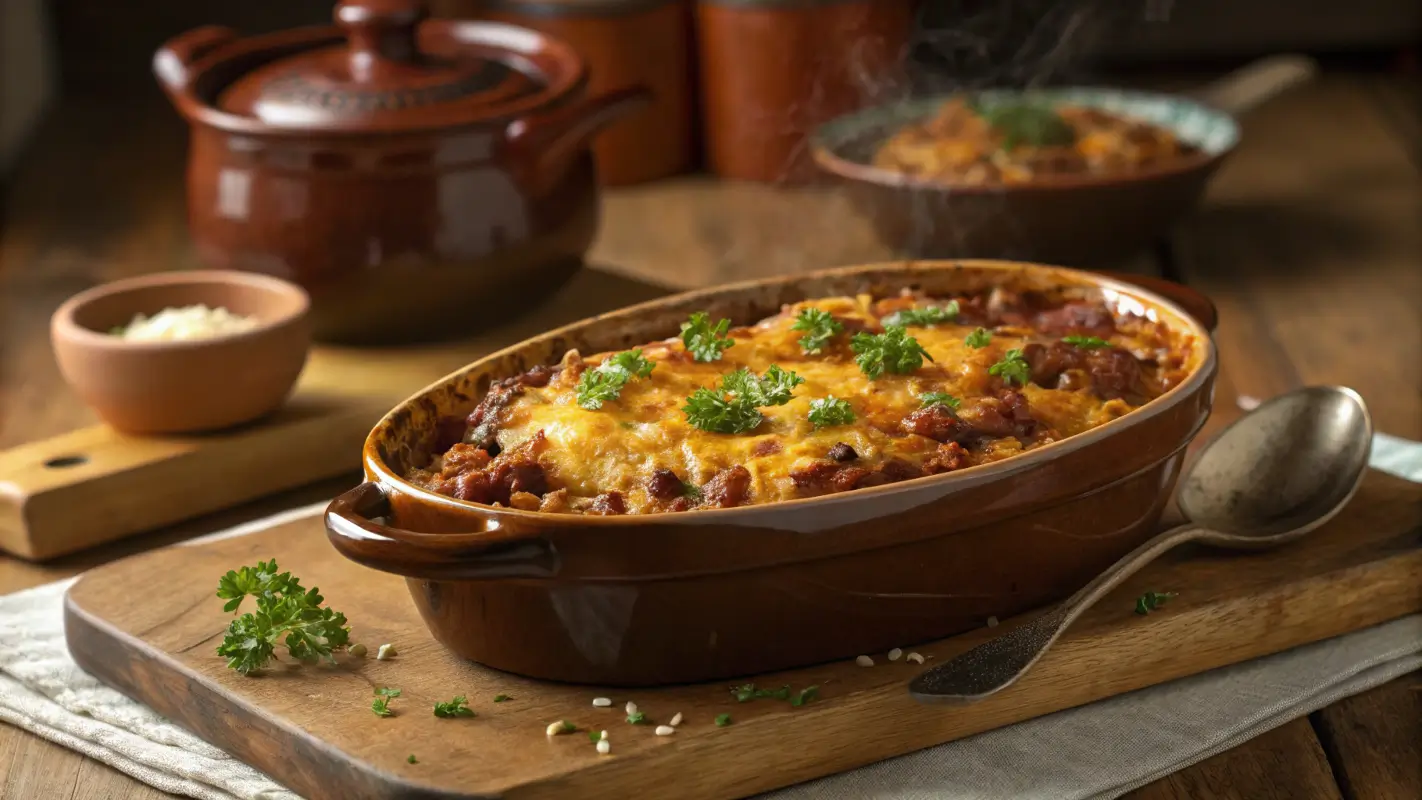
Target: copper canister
(773, 70)
(625, 43)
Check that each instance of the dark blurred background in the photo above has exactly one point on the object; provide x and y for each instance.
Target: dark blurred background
(99, 50)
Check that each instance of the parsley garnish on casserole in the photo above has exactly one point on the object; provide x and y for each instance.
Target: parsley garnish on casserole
(829, 395)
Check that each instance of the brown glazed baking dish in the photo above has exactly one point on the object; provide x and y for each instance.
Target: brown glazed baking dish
(662, 598)
(399, 169)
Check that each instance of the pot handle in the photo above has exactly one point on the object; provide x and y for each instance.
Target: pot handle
(1195, 303)
(172, 60)
(491, 553)
(542, 145)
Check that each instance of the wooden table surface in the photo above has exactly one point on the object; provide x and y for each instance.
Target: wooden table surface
(1309, 243)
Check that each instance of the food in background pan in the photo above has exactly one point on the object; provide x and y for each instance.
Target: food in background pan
(1023, 141)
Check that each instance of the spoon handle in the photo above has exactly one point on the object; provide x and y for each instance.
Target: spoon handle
(997, 663)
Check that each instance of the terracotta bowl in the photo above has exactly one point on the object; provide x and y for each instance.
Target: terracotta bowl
(1080, 221)
(183, 386)
(664, 598)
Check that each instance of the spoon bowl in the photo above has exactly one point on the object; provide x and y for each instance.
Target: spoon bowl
(1272, 476)
(1283, 469)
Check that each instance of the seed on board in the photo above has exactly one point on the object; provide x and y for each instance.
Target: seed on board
(386, 652)
(895, 654)
(915, 658)
(358, 650)
(992, 622)
(665, 730)
(631, 708)
(676, 719)
(864, 661)
(602, 702)
(604, 746)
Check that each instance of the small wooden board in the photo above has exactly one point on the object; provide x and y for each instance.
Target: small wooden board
(312, 729)
(95, 485)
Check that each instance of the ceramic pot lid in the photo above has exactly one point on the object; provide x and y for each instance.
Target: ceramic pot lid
(384, 70)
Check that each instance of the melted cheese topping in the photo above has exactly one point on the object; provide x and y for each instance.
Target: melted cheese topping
(617, 448)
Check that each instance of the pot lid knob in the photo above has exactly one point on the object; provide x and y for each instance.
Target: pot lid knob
(380, 31)
(385, 70)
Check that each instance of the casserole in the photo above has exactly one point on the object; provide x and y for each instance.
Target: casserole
(665, 597)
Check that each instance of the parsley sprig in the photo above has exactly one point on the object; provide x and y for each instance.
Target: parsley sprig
(1086, 342)
(939, 399)
(923, 317)
(732, 408)
(830, 410)
(381, 704)
(819, 325)
(748, 691)
(1150, 601)
(605, 381)
(454, 708)
(891, 351)
(286, 612)
(706, 342)
(1012, 367)
(979, 338)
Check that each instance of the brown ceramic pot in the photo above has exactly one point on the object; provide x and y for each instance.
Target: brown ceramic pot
(625, 43)
(403, 172)
(659, 598)
(773, 70)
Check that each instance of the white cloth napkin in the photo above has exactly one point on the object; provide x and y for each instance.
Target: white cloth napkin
(1095, 752)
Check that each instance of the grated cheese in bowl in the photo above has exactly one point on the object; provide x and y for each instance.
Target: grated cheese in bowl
(184, 324)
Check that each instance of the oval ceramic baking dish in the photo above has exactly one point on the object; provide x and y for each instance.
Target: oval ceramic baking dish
(663, 598)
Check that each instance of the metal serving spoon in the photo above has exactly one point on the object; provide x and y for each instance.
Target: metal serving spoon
(1272, 476)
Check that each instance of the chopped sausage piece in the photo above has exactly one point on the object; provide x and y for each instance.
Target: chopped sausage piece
(765, 447)
(948, 457)
(937, 422)
(899, 470)
(608, 504)
(513, 471)
(1081, 318)
(995, 418)
(976, 420)
(842, 452)
(462, 457)
(1113, 372)
(484, 419)
(728, 488)
(682, 503)
(665, 485)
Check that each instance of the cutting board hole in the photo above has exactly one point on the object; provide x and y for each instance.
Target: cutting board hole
(60, 462)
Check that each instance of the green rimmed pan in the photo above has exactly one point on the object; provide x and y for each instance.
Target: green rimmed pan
(1072, 220)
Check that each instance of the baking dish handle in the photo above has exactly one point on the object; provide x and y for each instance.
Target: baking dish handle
(353, 529)
(1195, 303)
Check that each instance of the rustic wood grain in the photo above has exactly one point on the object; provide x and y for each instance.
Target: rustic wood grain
(1373, 739)
(1283, 764)
(312, 729)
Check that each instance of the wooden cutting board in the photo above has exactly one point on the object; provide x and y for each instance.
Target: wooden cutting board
(312, 728)
(96, 485)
